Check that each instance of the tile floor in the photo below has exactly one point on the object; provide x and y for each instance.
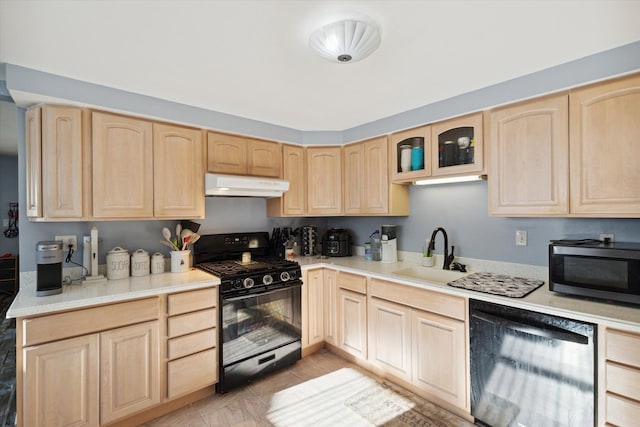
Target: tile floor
(7, 363)
(278, 399)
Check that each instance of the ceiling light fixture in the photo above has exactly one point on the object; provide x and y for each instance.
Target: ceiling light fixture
(345, 41)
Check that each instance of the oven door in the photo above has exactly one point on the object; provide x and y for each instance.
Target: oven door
(259, 333)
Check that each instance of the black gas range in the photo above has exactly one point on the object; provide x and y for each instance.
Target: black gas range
(260, 305)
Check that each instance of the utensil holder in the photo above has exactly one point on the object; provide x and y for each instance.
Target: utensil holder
(180, 261)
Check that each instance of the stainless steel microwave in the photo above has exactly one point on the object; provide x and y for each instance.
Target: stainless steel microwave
(590, 268)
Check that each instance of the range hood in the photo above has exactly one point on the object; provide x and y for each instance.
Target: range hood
(244, 186)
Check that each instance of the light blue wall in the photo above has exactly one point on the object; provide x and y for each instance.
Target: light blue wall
(460, 208)
(8, 194)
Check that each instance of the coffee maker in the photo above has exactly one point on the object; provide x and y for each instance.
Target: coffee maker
(389, 244)
(49, 264)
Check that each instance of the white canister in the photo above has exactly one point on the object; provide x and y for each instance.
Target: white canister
(157, 263)
(117, 263)
(140, 263)
(180, 261)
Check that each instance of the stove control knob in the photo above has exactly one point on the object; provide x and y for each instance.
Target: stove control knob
(292, 275)
(267, 279)
(248, 283)
(237, 283)
(284, 276)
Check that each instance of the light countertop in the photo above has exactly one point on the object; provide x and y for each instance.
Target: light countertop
(541, 300)
(76, 296)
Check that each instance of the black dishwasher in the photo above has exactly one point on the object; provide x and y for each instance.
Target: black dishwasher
(530, 369)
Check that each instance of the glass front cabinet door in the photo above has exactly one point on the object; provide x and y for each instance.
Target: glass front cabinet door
(457, 146)
(410, 154)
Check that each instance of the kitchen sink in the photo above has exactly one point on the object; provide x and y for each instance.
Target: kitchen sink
(430, 274)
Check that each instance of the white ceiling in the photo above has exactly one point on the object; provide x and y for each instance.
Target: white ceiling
(251, 58)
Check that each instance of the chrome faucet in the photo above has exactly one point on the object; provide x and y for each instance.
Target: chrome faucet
(448, 257)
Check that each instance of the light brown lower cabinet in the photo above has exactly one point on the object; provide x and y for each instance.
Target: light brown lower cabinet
(103, 365)
(419, 336)
(130, 370)
(61, 383)
(621, 377)
(330, 306)
(352, 313)
(192, 341)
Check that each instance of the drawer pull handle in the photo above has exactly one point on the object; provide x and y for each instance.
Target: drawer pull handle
(266, 359)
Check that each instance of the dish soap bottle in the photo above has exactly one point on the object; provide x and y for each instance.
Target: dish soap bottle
(376, 246)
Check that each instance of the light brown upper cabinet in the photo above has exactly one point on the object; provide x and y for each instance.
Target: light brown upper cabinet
(122, 166)
(367, 190)
(236, 155)
(324, 180)
(294, 201)
(457, 146)
(178, 172)
(403, 168)
(604, 150)
(146, 170)
(56, 148)
(449, 148)
(529, 159)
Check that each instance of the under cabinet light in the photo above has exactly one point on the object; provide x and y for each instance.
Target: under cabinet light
(450, 180)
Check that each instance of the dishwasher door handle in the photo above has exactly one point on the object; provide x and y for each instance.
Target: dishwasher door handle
(539, 330)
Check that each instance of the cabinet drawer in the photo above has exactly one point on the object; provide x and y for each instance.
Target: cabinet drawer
(352, 282)
(423, 299)
(82, 322)
(621, 411)
(185, 302)
(192, 343)
(192, 373)
(623, 347)
(623, 380)
(192, 322)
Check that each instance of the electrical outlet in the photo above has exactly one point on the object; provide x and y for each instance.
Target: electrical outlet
(68, 240)
(521, 237)
(605, 236)
(5, 222)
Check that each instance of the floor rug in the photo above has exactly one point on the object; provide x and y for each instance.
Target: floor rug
(348, 397)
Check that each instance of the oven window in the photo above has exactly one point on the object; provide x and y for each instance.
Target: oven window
(603, 273)
(254, 324)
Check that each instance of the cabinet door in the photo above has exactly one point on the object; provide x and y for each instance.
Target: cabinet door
(178, 176)
(376, 177)
(604, 149)
(352, 333)
(264, 158)
(420, 138)
(457, 146)
(122, 167)
(439, 362)
(324, 180)
(130, 362)
(71, 366)
(354, 179)
(226, 154)
(62, 162)
(529, 152)
(33, 136)
(330, 307)
(315, 304)
(389, 342)
(294, 200)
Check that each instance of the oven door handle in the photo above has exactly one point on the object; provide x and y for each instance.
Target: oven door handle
(240, 298)
(538, 330)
